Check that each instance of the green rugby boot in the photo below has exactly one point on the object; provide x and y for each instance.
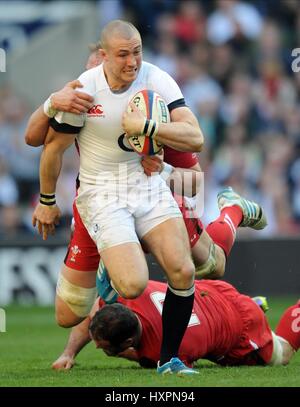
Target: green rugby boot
(262, 302)
(253, 214)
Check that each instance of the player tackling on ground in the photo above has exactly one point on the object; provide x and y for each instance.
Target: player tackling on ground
(225, 327)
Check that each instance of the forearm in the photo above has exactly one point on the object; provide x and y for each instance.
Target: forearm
(51, 159)
(181, 136)
(50, 166)
(78, 339)
(37, 128)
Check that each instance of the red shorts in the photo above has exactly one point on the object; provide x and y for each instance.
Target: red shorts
(255, 334)
(82, 254)
(193, 224)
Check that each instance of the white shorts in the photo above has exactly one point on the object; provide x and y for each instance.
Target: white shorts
(116, 214)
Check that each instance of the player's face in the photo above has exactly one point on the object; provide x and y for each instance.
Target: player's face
(123, 59)
(110, 349)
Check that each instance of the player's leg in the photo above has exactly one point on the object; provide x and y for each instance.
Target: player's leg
(253, 215)
(76, 286)
(208, 257)
(127, 268)
(287, 338)
(111, 225)
(75, 295)
(170, 245)
(214, 246)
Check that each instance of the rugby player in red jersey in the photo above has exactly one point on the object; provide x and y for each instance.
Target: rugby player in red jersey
(225, 327)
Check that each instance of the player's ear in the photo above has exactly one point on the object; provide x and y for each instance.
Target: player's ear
(99, 56)
(102, 54)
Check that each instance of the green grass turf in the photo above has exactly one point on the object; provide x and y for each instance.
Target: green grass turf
(33, 341)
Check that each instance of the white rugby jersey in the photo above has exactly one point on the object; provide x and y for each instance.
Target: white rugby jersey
(101, 139)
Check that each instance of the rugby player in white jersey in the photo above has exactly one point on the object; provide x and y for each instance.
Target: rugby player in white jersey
(210, 263)
(147, 211)
(81, 261)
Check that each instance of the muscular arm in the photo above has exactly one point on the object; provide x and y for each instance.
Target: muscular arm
(78, 339)
(44, 216)
(51, 159)
(183, 133)
(66, 100)
(37, 128)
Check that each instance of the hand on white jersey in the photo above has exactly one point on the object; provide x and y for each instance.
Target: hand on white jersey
(46, 218)
(153, 164)
(64, 362)
(133, 122)
(70, 100)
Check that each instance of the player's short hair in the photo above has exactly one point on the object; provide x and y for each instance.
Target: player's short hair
(114, 323)
(117, 27)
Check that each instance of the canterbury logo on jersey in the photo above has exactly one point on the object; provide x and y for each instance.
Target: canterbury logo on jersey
(96, 111)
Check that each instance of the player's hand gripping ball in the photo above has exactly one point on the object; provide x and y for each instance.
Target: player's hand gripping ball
(155, 110)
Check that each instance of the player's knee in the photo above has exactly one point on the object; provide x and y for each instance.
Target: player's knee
(211, 268)
(67, 319)
(132, 289)
(73, 302)
(183, 276)
(219, 272)
(282, 351)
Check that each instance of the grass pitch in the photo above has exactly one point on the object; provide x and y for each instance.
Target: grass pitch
(33, 341)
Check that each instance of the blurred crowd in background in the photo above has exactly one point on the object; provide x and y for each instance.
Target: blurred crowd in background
(233, 61)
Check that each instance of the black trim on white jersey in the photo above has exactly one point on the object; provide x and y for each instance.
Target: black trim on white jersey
(64, 127)
(176, 103)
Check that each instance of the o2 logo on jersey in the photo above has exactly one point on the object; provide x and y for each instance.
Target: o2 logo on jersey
(123, 144)
(96, 111)
(158, 299)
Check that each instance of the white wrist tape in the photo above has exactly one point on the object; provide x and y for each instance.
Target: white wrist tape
(167, 171)
(48, 109)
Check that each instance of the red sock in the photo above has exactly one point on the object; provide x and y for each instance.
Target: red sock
(223, 230)
(289, 326)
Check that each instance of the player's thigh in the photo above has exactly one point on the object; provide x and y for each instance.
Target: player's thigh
(81, 278)
(170, 245)
(127, 268)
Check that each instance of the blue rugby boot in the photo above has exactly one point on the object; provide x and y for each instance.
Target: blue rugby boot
(104, 288)
(253, 214)
(175, 366)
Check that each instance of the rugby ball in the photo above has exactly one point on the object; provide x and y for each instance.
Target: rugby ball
(152, 105)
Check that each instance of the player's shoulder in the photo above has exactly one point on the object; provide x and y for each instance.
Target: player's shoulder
(150, 72)
(89, 79)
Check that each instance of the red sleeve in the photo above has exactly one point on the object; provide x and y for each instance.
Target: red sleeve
(179, 158)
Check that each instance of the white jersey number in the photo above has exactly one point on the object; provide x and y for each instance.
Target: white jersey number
(296, 322)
